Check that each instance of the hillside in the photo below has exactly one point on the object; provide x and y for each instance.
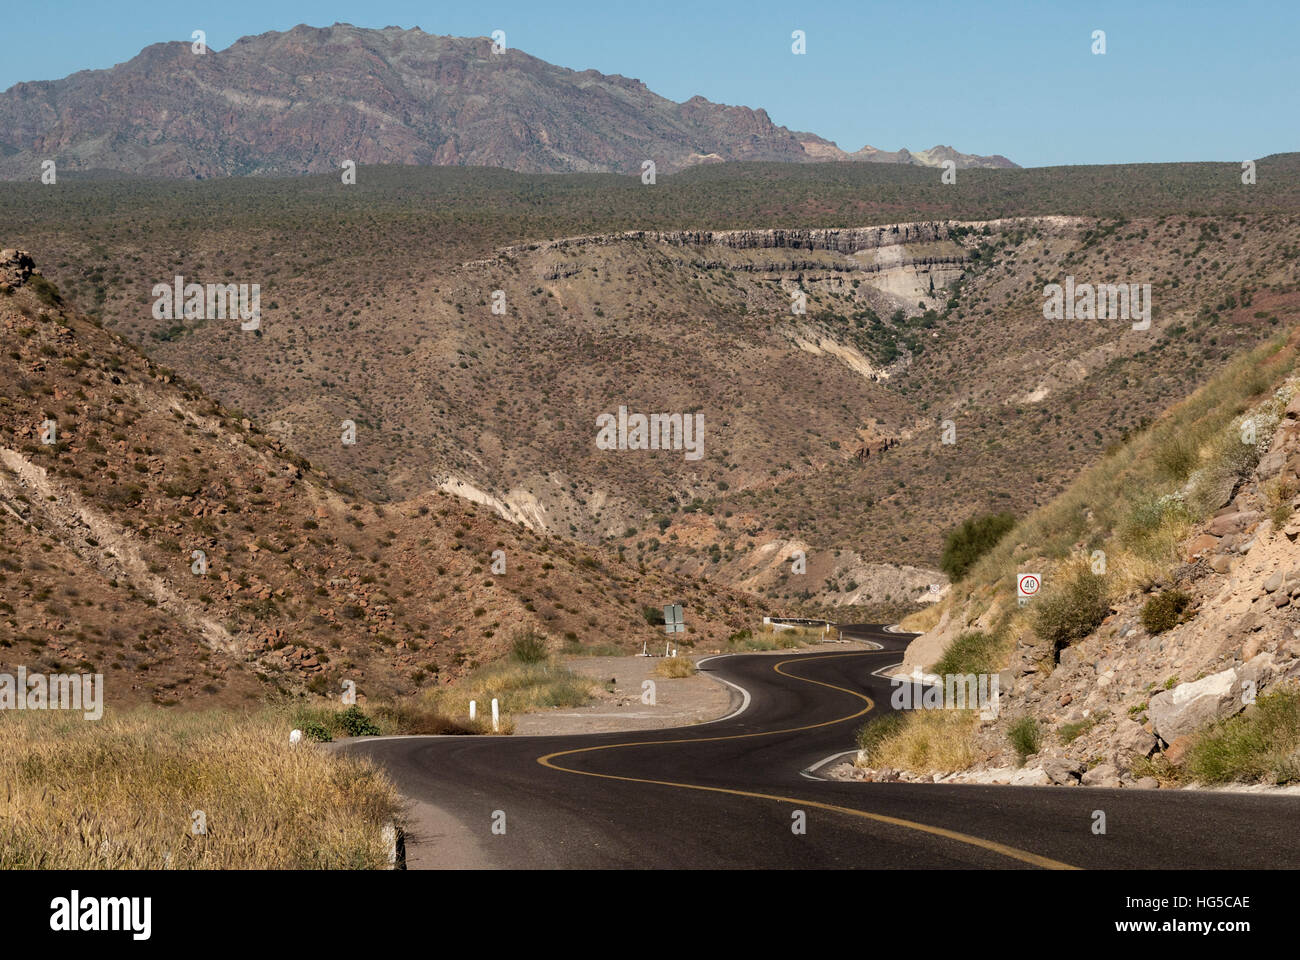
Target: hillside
(299, 585)
(1164, 648)
(374, 314)
(267, 104)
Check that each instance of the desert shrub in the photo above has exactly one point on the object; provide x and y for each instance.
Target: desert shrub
(924, 741)
(1164, 610)
(45, 291)
(1069, 732)
(528, 646)
(1175, 455)
(972, 652)
(1071, 608)
(356, 724)
(1260, 745)
(1147, 516)
(121, 497)
(315, 730)
(1024, 737)
(970, 541)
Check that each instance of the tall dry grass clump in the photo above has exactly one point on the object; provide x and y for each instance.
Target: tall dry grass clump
(928, 741)
(121, 793)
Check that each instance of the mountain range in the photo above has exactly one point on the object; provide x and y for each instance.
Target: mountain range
(306, 100)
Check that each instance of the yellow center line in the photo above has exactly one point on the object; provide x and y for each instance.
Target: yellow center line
(1014, 853)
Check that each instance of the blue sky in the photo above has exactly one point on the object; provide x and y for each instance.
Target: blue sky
(1190, 80)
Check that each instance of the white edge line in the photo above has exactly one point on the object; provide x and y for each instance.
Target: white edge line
(807, 771)
(744, 694)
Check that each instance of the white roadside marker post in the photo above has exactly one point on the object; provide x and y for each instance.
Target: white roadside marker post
(496, 717)
(473, 710)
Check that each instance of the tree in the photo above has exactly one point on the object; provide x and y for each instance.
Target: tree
(970, 541)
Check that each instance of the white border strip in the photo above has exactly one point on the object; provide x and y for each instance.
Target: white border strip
(808, 771)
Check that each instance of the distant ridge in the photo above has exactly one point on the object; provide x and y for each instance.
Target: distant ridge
(305, 100)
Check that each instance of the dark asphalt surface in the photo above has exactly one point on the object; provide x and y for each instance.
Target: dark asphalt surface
(721, 795)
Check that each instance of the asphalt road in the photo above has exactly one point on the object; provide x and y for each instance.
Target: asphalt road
(724, 795)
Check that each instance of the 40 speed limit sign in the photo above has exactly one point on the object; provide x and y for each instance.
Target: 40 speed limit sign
(1027, 585)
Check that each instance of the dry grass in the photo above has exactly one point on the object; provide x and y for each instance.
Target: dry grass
(674, 668)
(767, 637)
(923, 620)
(121, 793)
(930, 741)
(520, 688)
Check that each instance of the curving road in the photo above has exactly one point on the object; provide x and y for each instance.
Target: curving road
(722, 795)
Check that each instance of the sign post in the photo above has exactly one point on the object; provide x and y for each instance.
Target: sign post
(673, 622)
(1027, 586)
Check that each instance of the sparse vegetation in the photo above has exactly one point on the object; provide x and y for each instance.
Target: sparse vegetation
(1024, 737)
(120, 794)
(1164, 611)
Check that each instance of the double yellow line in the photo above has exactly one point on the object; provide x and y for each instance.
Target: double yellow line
(1000, 848)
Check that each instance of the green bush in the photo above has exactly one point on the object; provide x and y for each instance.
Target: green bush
(529, 646)
(315, 730)
(1072, 608)
(1024, 737)
(1164, 610)
(357, 724)
(974, 538)
(972, 652)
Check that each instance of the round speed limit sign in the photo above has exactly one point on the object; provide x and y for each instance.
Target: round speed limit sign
(1027, 585)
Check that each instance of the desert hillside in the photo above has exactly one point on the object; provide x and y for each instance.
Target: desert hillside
(1164, 647)
(475, 351)
(153, 535)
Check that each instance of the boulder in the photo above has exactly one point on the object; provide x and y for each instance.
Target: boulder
(1199, 546)
(1189, 706)
(1029, 777)
(1102, 775)
(1063, 771)
(1233, 522)
(1006, 681)
(1131, 741)
(1177, 751)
